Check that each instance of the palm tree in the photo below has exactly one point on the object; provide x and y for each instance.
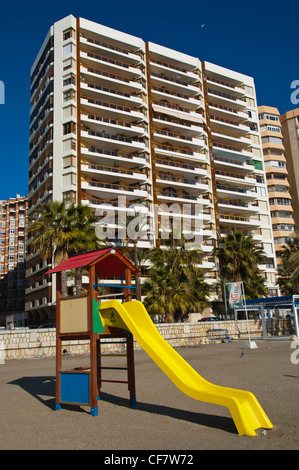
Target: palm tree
(135, 224)
(239, 257)
(80, 221)
(60, 232)
(288, 270)
(176, 286)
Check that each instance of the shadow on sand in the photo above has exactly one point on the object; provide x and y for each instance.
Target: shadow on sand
(43, 389)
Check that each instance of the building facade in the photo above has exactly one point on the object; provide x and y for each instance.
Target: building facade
(279, 188)
(13, 216)
(122, 125)
(290, 129)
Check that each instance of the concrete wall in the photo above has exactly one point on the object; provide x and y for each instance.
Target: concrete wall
(27, 344)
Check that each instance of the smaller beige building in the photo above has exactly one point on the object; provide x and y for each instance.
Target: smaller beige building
(290, 130)
(277, 176)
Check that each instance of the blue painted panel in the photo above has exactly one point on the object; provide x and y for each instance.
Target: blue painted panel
(75, 388)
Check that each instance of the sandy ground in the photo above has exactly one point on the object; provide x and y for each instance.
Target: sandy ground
(164, 418)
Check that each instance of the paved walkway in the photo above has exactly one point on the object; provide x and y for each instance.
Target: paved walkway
(164, 418)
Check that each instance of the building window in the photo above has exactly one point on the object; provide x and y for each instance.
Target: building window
(69, 128)
(68, 33)
(68, 49)
(68, 95)
(69, 197)
(70, 80)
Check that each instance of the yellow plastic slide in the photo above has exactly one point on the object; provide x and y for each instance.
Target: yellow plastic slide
(245, 410)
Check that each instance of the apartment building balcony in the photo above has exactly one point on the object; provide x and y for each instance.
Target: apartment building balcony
(103, 190)
(106, 140)
(179, 152)
(227, 111)
(44, 135)
(109, 157)
(99, 123)
(280, 171)
(238, 221)
(242, 180)
(45, 151)
(105, 47)
(277, 192)
(175, 195)
(235, 192)
(194, 186)
(36, 186)
(165, 66)
(125, 206)
(176, 98)
(109, 173)
(177, 139)
(280, 204)
(43, 85)
(40, 199)
(222, 149)
(223, 84)
(228, 123)
(110, 65)
(37, 286)
(232, 165)
(43, 96)
(226, 137)
(273, 180)
(164, 106)
(177, 84)
(92, 90)
(111, 109)
(236, 206)
(188, 128)
(44, 71)
(207, 264)
(116, 80)
(180, 168)
(41, 115)
(226, 98)
(286, 219)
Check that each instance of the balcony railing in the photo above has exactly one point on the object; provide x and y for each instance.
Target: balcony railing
(173, 134)
(174, 149)
(177, 195)
(107, 45)
(113, 153)
(117, 122)
(233, 162)
(112, 169)
(168, 65)
(227, 147)
(233, 203)
(236, 190)
(109, 75)
(173, 93)
(232, 175)
(225, 95)
(176, 164)
(235, 217)
(175, 179)
(116, 187)
(107, 104)
(222, 82)
(173, 106)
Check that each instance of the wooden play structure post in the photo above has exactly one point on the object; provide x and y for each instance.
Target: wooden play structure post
(77, 318)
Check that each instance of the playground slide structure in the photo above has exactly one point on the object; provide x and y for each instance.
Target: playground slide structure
(245, 410)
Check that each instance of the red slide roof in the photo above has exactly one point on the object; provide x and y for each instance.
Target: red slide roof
(109, 262)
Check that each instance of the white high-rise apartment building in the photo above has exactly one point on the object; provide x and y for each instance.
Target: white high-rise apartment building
(117, 122)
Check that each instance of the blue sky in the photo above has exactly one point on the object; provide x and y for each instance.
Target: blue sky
(256, 38)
